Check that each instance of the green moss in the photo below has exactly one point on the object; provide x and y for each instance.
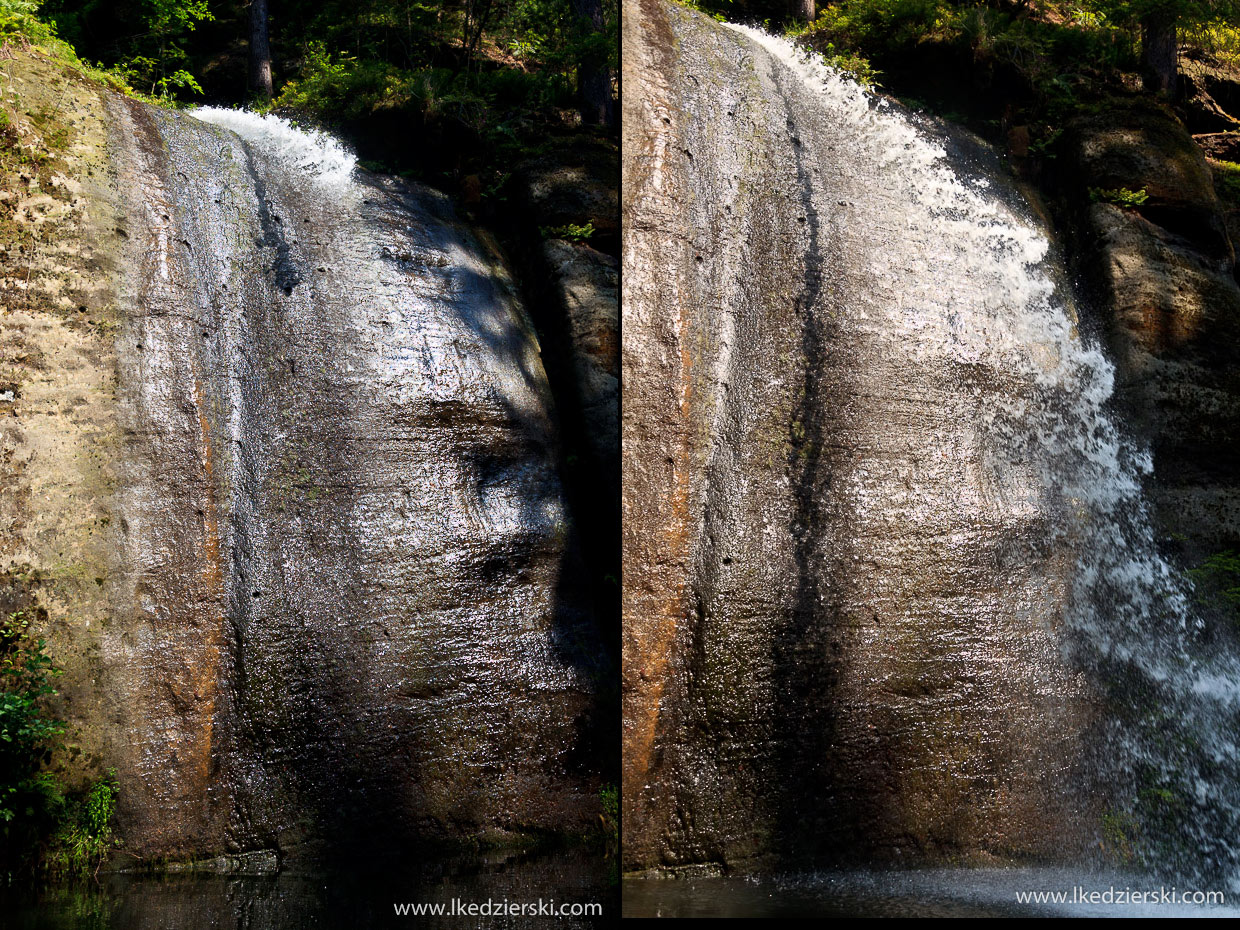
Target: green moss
(1216, 582)
(296, 483)
(1122, 196)
(571, 232)
(1118, 830)
(1227, 177)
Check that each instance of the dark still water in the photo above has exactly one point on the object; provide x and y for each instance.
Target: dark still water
(1016, 892)
(297, 901)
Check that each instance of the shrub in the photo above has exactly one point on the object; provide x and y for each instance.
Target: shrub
(862, 24)
(42, 825)
(1218, 38)
(572, 232)
(26, 731)
(30, 800)
(84, 836)
(19, 18)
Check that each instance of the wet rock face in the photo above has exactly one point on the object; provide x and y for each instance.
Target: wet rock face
(575, 286)
(346, 532)
(343, 614)
(561, 228)
(59, 433)
(845, 573)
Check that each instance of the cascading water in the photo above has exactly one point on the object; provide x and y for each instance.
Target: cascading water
(314, 153)
(1130, 620)
(353, 622)
(915, 608)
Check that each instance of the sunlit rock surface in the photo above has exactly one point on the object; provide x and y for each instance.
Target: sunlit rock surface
(339, 606)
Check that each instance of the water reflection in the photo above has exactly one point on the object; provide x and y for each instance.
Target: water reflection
(294, 900)
(921, 893)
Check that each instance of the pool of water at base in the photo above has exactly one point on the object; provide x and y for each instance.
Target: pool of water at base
(983, 892)
(353, 900)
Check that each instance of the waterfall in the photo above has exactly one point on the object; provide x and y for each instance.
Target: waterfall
(923, 607)
(355, 618)
(1131, 622)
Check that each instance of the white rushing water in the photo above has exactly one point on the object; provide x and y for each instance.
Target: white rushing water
(320, 155)
(1132, 623)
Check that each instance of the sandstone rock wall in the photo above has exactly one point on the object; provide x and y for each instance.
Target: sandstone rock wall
(282, 486)
(845, 571)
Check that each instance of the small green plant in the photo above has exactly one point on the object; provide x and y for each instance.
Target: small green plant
(30, 800)
(41, 824)
(1089, 19)
(572, 232)
(1044, 145)
(85, 836)
(1122, 196)
(609, 819)
(27, 732)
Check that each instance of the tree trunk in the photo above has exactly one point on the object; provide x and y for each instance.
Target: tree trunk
(1159, 52)
(804, 11)
(260, 50)
(594, 97)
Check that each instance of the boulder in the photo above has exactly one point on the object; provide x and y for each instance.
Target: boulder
(1139, 145)
(587, 284)
(1210, 90)
(575, 182)
(1221, 146)
(1171, 305)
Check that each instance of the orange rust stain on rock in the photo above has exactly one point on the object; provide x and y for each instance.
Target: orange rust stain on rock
(659, 461)
(207, 684)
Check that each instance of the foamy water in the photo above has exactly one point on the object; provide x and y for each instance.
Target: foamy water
(320, 155)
